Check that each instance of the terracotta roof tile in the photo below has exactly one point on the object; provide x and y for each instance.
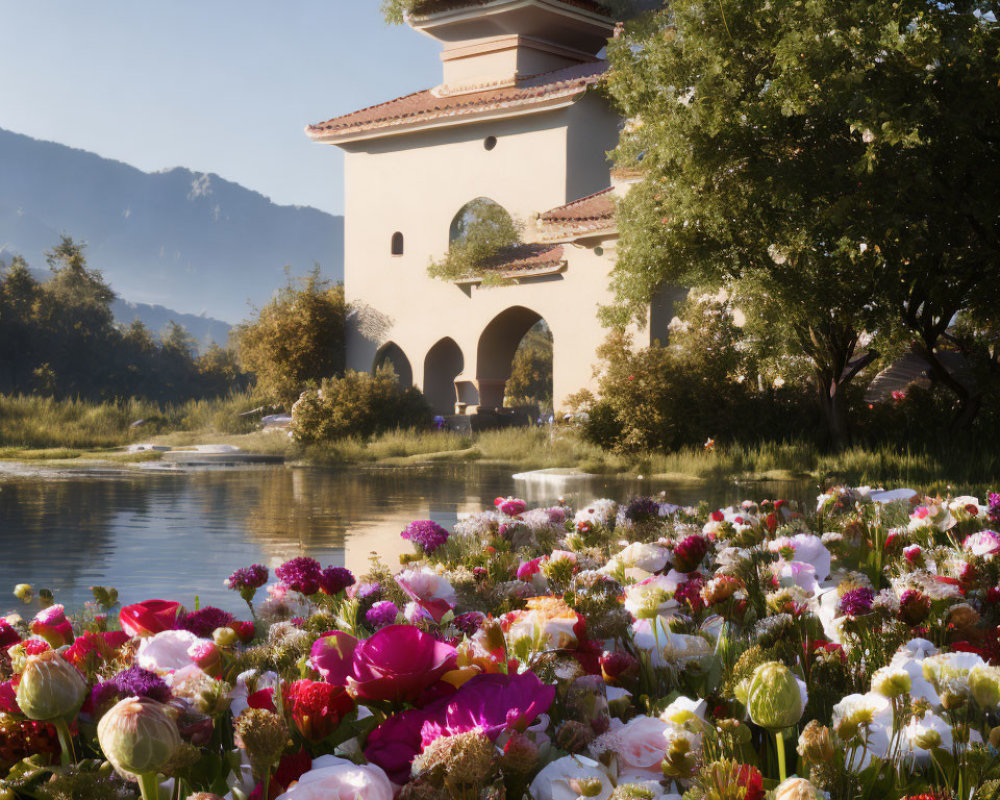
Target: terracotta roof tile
(425, 106)
(436, 6)
(525, 258)
(597, 206)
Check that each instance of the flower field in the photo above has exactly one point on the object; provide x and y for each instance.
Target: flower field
(639, 650)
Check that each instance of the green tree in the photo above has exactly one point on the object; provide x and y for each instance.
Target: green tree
(296, 339)
(531, 371)
(482, 232)
(760, 131)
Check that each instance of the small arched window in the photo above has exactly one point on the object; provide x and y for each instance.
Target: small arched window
(397, 244)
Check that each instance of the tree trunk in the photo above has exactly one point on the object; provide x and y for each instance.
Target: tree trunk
(969, 400)
(833, 408)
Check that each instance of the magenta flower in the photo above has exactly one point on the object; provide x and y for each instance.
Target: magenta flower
(396, 742)
(397, 663)
(300, 574)
(252, 578)
(426, 534)
(493, 704)
(383, 613)
(857, 602)
(334, 580)
(204, 621)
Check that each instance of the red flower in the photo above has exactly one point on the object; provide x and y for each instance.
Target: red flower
(717, 516)
(149, 618)
(749, 777)
(262, 698)
(244, 630)
(316, 708)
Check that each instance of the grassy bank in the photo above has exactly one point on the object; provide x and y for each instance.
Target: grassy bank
(36, 428)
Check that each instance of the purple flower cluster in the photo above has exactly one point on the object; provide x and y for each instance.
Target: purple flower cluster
(134, 681)
(642, 509)
(857, 602)
(300, 575)
(381, 614)
(426, 534)
(204, 621)
(994, 508)
(469, 622)
(334, 580)
(252, 578)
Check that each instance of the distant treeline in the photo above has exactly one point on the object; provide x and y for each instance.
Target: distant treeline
(59, 338)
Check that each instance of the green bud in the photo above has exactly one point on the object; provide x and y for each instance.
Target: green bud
(138, 736)
(984, 682)
(773, 698)
(50, 688)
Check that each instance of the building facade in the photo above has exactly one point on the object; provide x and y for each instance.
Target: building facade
(516, 120)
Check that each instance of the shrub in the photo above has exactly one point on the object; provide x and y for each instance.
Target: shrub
(358, 404)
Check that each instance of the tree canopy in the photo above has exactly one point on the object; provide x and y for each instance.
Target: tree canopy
(798, 151)
(297, 339)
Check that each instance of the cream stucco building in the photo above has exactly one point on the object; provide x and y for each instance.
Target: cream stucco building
(516, 119)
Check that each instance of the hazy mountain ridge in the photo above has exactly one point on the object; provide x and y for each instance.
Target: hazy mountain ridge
(206, 330)
(185, 240)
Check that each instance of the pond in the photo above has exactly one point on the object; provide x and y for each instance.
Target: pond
(177, 534)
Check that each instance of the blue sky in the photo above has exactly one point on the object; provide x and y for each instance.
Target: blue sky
(222, 86)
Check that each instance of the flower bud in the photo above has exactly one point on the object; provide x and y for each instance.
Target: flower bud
(927, 739)
(816, 744)
(50, 688)
(586, 787)
(984, 682)
(23, 592)
(797, 789)
(773, 699)
(138, 736)
(994, 737)
(225, 637)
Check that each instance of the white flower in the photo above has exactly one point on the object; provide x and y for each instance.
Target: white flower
(891, 682)
(682, 709)
(553, 782)
(647, 557)
(333, 778)
(641, 746)
(665, 646)
(654, 594)
(920, 736)
(950, 668)
(167, 651)
(599, 512)
(809, 549)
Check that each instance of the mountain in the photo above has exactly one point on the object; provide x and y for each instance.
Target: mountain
(206, 330)
(185, 240)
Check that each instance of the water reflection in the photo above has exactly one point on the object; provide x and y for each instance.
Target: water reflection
(178, 534)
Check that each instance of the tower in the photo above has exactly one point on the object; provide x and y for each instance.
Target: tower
(515, 120)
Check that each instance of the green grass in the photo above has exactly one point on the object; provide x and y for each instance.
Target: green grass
(42, 429)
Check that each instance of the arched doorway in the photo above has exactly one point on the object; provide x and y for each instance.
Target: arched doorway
(391, 355)
(443, 363)
(498, 345)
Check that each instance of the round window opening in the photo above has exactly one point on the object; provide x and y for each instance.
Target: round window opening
(490, 142)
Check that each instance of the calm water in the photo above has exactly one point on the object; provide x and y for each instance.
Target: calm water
(175, 534)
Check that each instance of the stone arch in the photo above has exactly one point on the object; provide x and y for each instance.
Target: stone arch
(442, 364)
(495, 352)
(469, 213)
(391, 354)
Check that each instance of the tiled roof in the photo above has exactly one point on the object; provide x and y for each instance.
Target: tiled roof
(590, 214)
(437, 6)
(522, 261)
(426, 106)
(597, 206)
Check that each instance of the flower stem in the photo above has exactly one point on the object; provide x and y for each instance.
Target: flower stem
(266, 785)
(779, 737)
(66, 753)
(148, 786)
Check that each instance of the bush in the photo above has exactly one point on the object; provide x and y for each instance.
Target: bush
(358, 404)
(706, 383)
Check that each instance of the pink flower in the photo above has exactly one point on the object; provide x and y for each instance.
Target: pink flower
(51, 624)
(149, 618)
(433, 592)
(983, 543)
(396, 663)
(529, 568)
